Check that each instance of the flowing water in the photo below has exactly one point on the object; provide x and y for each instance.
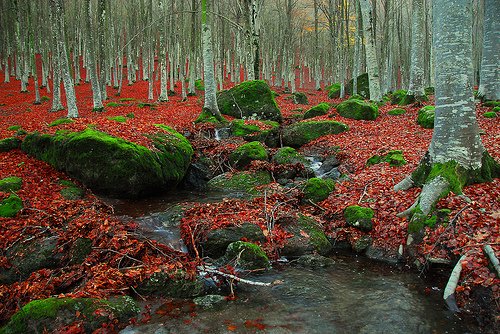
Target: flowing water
(354, 295)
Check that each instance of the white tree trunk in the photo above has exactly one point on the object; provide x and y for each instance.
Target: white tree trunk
(489, 86)
(91, 60)
(417, 71)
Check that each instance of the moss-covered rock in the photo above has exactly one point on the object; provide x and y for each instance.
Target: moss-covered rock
(288, 155)
(252, 132)
(308, 236)
(52, 314)
(61, 121)
(333, 91)
(248, 255)
(119, 119)
(356, 97)
(113, 166)
(240, 182)
(176, 285)
(496, 109)
(397, 96)
(250, 99)
(362, 244)
(359, 217)
(199, 85)
(318, 110)
(9, 144)
(10, 206)
(317, 189)
(79, 251)
(363, 86)
(426, 117)
(300, 98)
(218, 240)
(247, 153)
(396, 112)
(14, 127)
(491, 103)
(11, 183)
(393, 157)
(206, 117)
(71, 191)
(357, 109)
(301, 133)
(490, 114)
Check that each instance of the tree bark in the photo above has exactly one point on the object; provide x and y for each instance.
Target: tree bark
(489, 86)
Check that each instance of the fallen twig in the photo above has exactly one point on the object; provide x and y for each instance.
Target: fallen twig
(239, 279)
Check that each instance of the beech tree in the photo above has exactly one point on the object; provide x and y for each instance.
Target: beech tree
(91, 59)
(489, 86)
(456, 156)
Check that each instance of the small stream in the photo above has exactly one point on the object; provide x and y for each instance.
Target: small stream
(354, 295)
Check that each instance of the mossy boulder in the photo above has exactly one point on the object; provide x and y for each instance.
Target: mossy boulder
(240, 182)
(393, 157)
(113, 166)
(247, 153)
(119, 119)
(250, 99)
(248, 255)
(79, 251)
(206, 117)
(397, 96)
(288, 155)
(426, 117)
(28, 257)
(318, 110)
(308, 236)
(490, 114)
(71, 191)
(359, 217)
(217, 241)
(9, 144)
(363, 86)
(52, 314)
(268, 133)
(359, 110)
(356, 97)
(167, 284)
(301, 133)
(300, 98)
(317, 190)
(396, 112)
(61, 121)
(10, 206)
(333, 91)
(491, 103)
(496, 109)
(11, 184)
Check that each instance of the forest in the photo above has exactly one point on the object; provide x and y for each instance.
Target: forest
(274, 166)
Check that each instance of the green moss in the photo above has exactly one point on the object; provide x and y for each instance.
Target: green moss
(317, 237)
(147, 104)
(130, 115)
(168, 284)
(333, 91)
(317, 110)
(490, 114)
(240, 182)
(363, 86)
(300, 98)
(10, 206)
(288, 155)
(240, 129)
(358, 110)
(199, 84)
(249, 256)
(356, 97)
(81, 248)
(119, 119)
(14, 128)
(496, 109)
(9, 144)
(11, 183)
(491, 103)
(125, 99)
(396, 111)
(301, 133)
(49, 315)
(393, 157)
(248, 152)
(452, 172)
(426, 117)
(45, 98)
(206, 117)
(61, 121)
(72, 193)
(317, 189)
(429, 91)
(359, 217)
(115, 104)
(250, 99)
(397, 96)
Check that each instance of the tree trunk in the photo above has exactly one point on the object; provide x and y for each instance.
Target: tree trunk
(489, 87)
(417, 71)
(91, 60)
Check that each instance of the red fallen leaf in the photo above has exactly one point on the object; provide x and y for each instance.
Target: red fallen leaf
(231, 328)
(257, 324)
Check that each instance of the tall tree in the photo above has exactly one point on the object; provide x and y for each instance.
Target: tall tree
(489, 86)
(210, 104)
(370, 50)
(91, 59)
(456, 156)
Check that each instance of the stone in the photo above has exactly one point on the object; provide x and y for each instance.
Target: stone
(217, 241)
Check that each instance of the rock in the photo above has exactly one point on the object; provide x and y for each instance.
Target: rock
(300, 98)
(329, 168)
(397, 96)
(250, 132)
(396, 112)
(176, 285)
(288, 155)
(246, 153)
(318, 110)
(51, 315)
(395, 158)
(11, 184)
(71, 191)
(197, 175)
(10, 206)
(209, 301)
(79, 251)
(363, 86)
(9, 144)
(383, 255)
(315, 261)
(247, 255)
(490, 114)
(357, 109)
(250, 99)
(317, 189)
(217, 241)
(113, 166)
(301, 133)
(426, 117)
(333, 91)
(28, 257)
(362, 244)
(308, 236)
(240, 182)
(359, 217)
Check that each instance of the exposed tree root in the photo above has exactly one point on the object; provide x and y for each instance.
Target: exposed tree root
(449, 291)
(431, 193)
(493, 259)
